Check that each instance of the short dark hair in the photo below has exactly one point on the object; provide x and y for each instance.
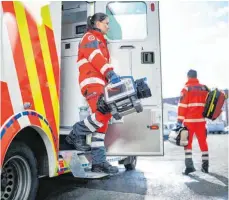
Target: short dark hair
(192, 73)
(91, 20)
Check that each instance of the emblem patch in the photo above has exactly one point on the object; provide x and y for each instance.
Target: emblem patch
(91, 37)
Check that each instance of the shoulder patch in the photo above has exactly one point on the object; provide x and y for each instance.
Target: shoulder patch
(91, 37)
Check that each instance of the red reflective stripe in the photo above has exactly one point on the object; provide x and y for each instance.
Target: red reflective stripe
(19, 60)
(6, 105)
(54, 58)
(40, 66)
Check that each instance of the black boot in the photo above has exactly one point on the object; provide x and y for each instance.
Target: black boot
(78, 141)
(205, 165)
(189, 166)
(105, 167)
(187, 171)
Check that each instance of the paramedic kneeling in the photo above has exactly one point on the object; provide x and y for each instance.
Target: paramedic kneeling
(190, 109)
(95, 71)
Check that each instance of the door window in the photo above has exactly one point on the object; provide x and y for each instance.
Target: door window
(128, 20)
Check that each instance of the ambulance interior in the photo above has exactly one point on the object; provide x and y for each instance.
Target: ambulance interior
(72, 104)
(123, 135)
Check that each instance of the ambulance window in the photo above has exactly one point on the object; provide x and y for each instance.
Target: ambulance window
(127, 20)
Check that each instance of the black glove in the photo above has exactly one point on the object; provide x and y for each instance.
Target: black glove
(102, 105)
(178, 126)
(113, 77)
(143, 90)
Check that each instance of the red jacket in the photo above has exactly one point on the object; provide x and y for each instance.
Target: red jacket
(192, 102)
(93, 60)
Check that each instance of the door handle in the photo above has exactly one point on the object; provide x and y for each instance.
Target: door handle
(127, 47)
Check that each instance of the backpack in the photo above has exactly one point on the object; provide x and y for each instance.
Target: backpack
(214, 103)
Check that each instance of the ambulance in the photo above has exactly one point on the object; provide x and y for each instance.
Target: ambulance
(41, 98)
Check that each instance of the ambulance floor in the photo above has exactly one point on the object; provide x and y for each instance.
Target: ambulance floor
(154, 178)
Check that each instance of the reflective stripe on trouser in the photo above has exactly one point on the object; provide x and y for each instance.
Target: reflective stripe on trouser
(205, 160)
(97, 121)
(92, 95)
(98, 150)
(188, 159)
(87, 126)
(205, 155)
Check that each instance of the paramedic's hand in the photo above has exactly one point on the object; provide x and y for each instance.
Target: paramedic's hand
(113, 77)
(102, 105)
(178, 125)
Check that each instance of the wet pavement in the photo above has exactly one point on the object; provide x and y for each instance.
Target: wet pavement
(154, 178)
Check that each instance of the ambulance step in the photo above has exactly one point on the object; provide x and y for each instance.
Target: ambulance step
(79, 164)
(93, 175)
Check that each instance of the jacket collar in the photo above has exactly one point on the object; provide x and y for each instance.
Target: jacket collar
(98, 34)
(192, 81)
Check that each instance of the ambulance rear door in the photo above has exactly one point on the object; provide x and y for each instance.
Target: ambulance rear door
(134, 43)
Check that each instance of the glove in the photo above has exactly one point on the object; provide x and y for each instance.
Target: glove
(113, 77)
(102, 105)
(178, 125)
(143, 90)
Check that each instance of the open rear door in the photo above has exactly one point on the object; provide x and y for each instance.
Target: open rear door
(134, 43)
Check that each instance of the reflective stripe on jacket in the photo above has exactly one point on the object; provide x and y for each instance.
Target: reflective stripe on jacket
(192, 102)
(93, 59)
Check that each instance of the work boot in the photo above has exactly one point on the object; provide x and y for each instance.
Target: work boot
(205, 165)
(105, 167)
(189, 164)
(187, 170)
(78, 141)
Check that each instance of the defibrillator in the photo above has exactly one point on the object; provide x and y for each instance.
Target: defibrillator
(124, 97)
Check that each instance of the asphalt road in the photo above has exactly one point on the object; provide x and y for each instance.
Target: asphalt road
(154, 178)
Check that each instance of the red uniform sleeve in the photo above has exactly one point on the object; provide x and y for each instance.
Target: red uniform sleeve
(183, 105)
(89, 46)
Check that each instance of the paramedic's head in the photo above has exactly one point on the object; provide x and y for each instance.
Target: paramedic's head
(192, 74)
(98, 21)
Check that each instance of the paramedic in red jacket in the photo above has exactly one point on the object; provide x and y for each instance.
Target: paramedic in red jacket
(95, 71)
(190, 109)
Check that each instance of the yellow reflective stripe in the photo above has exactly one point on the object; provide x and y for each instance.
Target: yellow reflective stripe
(45, 14)
(48, 64)
(31, 69)
(212, 105)
(29, 57)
